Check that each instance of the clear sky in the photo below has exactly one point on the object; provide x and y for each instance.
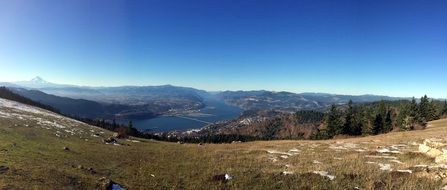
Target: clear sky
(388, 47)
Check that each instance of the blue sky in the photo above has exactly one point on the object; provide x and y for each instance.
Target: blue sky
(388, 47)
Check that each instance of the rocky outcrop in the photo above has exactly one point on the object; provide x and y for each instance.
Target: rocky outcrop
(435, 148)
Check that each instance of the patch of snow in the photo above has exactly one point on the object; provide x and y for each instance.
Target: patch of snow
(325, 174)
(294, 150)
(338, 147)
(383, 150)
(396, 161)
(405, 171)
(316, 162)
(287, 173)
(284, 156)
(278, 152)
(228, 177)
(384, 157)
(273, 159)
(385, 167)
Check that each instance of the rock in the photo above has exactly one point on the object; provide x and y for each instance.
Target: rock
(179, 142)
(66, 148)
(110, 140)
(3, 169)
(80, 167)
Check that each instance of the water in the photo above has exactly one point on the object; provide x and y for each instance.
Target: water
(215, 110)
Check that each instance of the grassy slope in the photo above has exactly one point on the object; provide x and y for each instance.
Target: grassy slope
(37, 160)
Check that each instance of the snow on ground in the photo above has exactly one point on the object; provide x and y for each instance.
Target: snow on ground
(325, 174)
(36, 117)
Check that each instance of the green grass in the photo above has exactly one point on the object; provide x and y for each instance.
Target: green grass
(37, 160)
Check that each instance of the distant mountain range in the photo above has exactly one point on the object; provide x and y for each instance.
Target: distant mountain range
(141, 101)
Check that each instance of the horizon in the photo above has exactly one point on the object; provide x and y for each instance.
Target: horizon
(217, 91)
(396, 48)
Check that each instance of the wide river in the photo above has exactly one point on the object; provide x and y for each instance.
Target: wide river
(214, 111)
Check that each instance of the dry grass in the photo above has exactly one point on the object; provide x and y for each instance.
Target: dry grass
(36, 160)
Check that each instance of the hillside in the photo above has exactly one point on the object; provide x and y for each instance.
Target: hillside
(287, 101)
(42, 150)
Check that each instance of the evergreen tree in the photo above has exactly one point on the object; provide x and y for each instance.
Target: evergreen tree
(413, 111)
(424, 109)
(383, 109)
(444, 109)
(388, 125)
(378, 124)
(358, 122)
(432, 111)
(334, 123)
(348, 127)
(366, 120)
(412, 116)
(403, 113)
(130, 124)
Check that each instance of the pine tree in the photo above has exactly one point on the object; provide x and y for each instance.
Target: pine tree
(348, 126)
(333, 122)
(432, 111)
(388, 125)
(414, 111)
(403, 113)
(366, 118)
(412, 116)
(130, 124)
(358, 122)
(378, 124)
(424, 109)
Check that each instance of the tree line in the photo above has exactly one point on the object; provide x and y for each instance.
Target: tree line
(380, 117)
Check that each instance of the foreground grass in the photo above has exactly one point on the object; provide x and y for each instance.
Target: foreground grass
(36, 160)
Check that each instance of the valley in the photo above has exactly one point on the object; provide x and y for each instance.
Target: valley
(150, 107)
(33, 155)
